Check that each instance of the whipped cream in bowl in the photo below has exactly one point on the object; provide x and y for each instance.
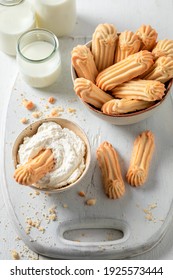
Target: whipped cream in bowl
(70, 150)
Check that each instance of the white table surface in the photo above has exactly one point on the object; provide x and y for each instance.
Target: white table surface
(124, 15)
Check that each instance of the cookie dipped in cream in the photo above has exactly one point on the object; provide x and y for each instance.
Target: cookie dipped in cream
(68, 151)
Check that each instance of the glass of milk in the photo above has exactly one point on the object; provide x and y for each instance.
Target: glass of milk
(16, 17)
(39, 58)
(58, 16)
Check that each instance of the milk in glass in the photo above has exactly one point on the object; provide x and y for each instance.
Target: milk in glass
(38, 58)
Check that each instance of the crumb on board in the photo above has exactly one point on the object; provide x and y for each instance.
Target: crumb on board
(37, 193)
(152, 205)
(47, 194)
(72, 100)
(24, 120)
(71, 110)
(91, 201)
(42, 229)
(28, 104)
(32, 223)
(60, 109)
(148, 211)
(52, 217)
(37, 114)
(51, 100)
(149, 217)
(17, 238)
(15, 255)
(52, 214)
(52, 210)
(65, 205)
(81, 193)
(54, 113)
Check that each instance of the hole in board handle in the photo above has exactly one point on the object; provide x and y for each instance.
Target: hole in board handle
(93, 234)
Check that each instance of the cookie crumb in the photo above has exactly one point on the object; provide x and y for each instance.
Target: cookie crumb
(47, 193)
(52, 210)
(149, 217)
(15, 255)
(41, 229)
(152, 206)
(65, 205)
(17, 238)
(37, 193)
(24, 121)
(81, 193)
(29, 105)
(53, 217)
(51, 100)
(146, 211)
(37, 114)
(60, 109)
(54, 113)
(71, 110)
(91, 202)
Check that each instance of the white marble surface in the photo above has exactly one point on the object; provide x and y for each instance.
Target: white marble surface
(125, 15)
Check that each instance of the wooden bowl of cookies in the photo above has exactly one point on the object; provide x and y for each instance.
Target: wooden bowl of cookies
(132, 83)
(51, 155)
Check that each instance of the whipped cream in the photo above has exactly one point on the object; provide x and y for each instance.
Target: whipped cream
(68, 150)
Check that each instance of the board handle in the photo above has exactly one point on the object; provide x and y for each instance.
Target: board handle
(91, 249)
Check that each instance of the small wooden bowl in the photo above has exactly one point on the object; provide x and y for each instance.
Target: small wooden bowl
(32, 129)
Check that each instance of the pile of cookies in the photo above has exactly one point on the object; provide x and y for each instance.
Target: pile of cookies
(137, 173)
(122, 73)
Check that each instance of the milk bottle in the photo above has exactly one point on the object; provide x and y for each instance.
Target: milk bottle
(16, 17)
(57, 16)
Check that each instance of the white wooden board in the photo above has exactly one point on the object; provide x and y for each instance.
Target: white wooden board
(127, 214)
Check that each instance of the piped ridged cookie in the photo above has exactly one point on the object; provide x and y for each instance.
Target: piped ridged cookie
(35, 168)
(128, 43)
(112, 179)
(125, 70)
(103, 45)
(163, 48)
(147, 90)
(122, 106)
(140, 160)
(162, 70)
(148, 36)
(83, 63)
(90, 93)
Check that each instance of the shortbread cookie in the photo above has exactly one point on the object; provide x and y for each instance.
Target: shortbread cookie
(163, 48)
(148, 36)
(140, 90)
(83, 63)
(108, 162)
(35, 168)
(140, 159)
(128, 43)
(90, 93)
(103, 45)
(125, 70)
(123, 106)
(162, 70)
